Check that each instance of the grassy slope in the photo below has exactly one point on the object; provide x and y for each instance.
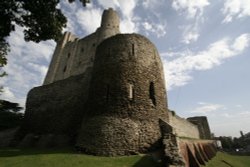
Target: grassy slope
(226, 160)
(66, 158)
(31, 158)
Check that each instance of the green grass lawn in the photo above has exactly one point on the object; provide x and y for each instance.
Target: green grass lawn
(68, 158)
(227, 160)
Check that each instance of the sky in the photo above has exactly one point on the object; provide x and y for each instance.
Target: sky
(204, 46)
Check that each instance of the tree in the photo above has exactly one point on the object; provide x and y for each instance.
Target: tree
(40, 18)
(10, 116)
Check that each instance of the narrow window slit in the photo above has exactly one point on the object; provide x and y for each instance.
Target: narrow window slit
(133, 49)
(65, 68)
(152, 93)
(131, 92)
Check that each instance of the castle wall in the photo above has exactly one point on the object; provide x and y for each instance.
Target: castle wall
(182, 127)
(57, 108)
(203, 126)
(73, 56)
(196, 153)
(57, 57)
(126, 99)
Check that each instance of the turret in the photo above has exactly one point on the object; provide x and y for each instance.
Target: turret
(109, 25)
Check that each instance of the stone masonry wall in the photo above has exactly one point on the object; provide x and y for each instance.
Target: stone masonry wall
(182, 127)
(57, 108)
(127, 90)
(203, 126)
(73, 56)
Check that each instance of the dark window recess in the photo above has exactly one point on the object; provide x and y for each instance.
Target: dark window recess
(107, 92)
(93, 45)
(133, 49)
(82, 50)
(65, 68)
(68, 55)
(152, 93)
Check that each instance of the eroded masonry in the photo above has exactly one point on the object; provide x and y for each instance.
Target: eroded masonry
(105, 94)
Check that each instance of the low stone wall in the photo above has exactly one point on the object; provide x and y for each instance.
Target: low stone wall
(196, 152)
(182, 127)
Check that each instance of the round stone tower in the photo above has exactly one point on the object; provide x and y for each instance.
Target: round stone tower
(109, 24)
(127, 98)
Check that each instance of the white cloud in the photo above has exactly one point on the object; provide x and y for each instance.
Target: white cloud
(193, 11)
(235, 9)
(8, 95)
(89, 19)
(205, 108)
(81, 20)
(128, 26)
(158, 29)
(241, 42)
(126, 8)
(27, 66)
(191, 7)
(190, 33)
(178, 71)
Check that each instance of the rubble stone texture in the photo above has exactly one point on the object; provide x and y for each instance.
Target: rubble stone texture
(105, 94)
(127, 97)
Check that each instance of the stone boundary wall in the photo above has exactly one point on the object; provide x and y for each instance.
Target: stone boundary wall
(182, 127)
(196, 153)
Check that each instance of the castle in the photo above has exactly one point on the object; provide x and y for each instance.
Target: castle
(105, 94)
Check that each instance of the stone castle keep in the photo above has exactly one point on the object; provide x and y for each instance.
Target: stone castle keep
(105, 94)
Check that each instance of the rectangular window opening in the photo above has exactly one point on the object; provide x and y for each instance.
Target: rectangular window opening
(131, 91)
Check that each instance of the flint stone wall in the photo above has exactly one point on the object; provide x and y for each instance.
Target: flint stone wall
(127, 90)
(57, 108)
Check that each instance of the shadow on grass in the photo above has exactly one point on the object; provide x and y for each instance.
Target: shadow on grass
(147, 161)
(225, 162)
(12, 152)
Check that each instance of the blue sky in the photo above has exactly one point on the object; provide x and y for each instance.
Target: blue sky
(204, 46)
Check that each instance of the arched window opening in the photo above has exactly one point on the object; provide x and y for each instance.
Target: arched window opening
(152, 93)
(131, 92)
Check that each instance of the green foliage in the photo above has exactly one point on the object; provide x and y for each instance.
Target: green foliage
(40, 18)
(66, 158)
(227, 142)
(10, 116)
